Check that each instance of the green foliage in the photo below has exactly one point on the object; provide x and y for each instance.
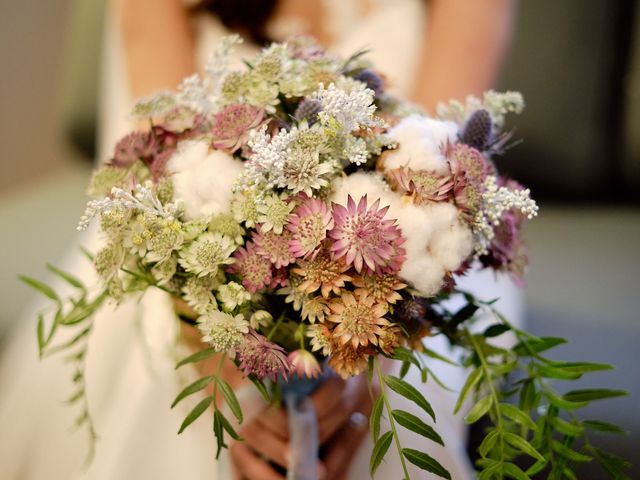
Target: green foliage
(400, 418)
(374, 419)
(529, 419)
(220, 423)
(75, 315)
(379, 451)
(425, 462)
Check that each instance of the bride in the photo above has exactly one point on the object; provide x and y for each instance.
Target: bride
(431, 51)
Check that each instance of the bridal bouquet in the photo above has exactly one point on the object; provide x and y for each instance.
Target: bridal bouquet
(306, 221)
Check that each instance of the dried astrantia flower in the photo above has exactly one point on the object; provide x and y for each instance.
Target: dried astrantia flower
(309, 224)
(231, 126)
(359, 318)
(273, 246)
(304, 364)
(363, 238)
(347, 361)
(258, 356)
(321, 273)
(254, 270)
(382, 288)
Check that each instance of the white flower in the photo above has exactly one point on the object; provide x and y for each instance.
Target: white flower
(290, 159)
(274, 213)
(347, 107)
(198, 294)
(420, 140)
(142, 199)
(203, 180)
(204, 255)
(244, 207)
(232, 295)
(304, 172)
(165, 270)
(260, 318)
(222, 331)
(108, 261)
(195, 93)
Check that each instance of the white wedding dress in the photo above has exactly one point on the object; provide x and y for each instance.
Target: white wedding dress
(131, 380)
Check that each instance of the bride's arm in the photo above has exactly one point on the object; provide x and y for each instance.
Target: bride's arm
(464, 45)
(158, 42)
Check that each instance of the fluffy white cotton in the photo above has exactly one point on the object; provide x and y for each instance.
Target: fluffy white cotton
(437, 243)
(436, 240)
(203, 180)
(420, 140)
(452, 242)
(360, 184)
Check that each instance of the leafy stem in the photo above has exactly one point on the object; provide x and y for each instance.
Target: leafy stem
(276, 325)
(495, 401)
(390, 417)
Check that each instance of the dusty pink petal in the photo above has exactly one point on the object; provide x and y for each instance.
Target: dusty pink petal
(364, 239)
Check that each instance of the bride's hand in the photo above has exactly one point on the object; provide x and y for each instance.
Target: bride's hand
(345, 429)
(341, 408)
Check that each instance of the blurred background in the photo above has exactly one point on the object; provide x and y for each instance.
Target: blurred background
(577, 63)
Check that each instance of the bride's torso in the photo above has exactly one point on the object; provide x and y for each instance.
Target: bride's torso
(389, 29)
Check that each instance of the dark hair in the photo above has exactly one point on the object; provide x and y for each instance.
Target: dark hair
(246, 16)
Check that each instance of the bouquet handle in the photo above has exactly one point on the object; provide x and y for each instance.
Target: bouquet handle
(303, 431)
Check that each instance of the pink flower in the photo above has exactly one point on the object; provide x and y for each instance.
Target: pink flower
(254, 270)
(364, 239)
(231, 126)
(422, 186)
(309, 224)
(304, 364)
(258, 356)
(279, 278)
(467, 161)
(507, 251)
(153, 148)
(469, 169)
(273, 247)
(135, 146)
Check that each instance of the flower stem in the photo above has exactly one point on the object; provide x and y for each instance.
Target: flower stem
(392, 424)
(493, 393)
(275, 326)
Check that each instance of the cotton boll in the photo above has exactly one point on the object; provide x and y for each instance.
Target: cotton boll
(203, 179)
(420, 140)
(357, 185)
(436, 243)
(425, 273)
(452, 243)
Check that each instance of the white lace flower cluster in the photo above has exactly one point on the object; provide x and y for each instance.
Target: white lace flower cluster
(348, 107)
(282, 161)
(496, 201)
(142, 199)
